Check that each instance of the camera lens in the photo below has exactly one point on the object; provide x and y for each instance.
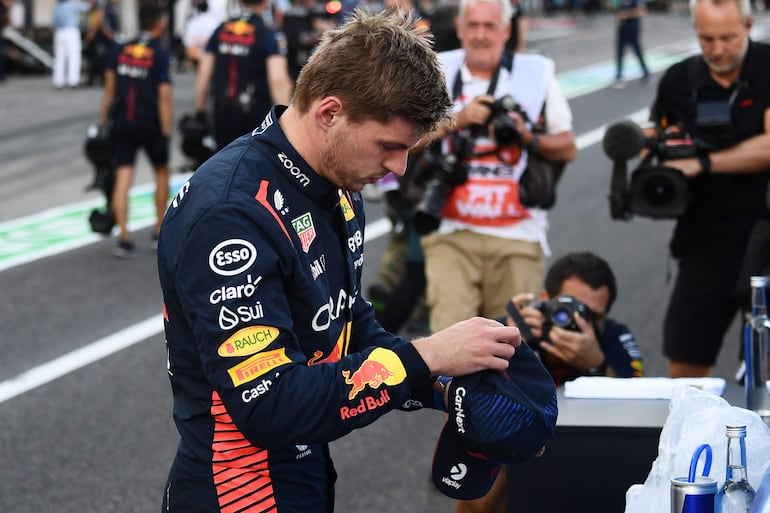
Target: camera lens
(659, 190)
(561, 317)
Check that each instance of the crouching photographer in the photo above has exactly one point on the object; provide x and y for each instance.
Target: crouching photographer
(569, 329)
(487, 242)
(728, 82)
(568, 326)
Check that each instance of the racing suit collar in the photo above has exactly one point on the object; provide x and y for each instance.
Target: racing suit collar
(300, 174)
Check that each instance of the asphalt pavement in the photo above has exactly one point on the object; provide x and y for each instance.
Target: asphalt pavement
(99, 437)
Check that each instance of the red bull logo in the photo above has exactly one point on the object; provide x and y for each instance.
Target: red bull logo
(138, 51)
(382, 366)
(366, 404)
(239, 28)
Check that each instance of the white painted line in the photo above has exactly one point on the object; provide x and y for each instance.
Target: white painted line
(79, 358)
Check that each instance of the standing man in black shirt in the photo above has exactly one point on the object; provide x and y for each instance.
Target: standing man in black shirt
(138, 103)
(722, 98)
(246, 71)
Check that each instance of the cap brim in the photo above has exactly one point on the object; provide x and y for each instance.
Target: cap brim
(459, 474)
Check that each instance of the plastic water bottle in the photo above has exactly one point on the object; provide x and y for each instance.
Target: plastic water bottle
(736, 494)
(757, 350)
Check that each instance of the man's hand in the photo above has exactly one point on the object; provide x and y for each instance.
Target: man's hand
(469, 346)
(690, 167)
(532, 316)
(578, 349)
(475, 113)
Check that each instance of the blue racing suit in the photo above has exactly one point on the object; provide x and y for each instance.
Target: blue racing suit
(272, 351)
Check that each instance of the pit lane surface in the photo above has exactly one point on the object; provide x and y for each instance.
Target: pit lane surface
(100, 438)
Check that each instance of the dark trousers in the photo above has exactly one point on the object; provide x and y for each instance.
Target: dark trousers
(628, 35)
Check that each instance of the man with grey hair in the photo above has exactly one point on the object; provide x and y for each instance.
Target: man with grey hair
(489, 242)
(722, 99)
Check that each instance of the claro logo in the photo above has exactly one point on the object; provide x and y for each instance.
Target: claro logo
(301, 177)
(232, 257)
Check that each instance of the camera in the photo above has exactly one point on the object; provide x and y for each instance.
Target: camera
(504, 128)
(440, 173)
(560, 311)
(655, 190)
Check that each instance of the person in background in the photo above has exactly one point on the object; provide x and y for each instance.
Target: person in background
(265, 378)
(138, 106)
(728, 177)
(198, 31)
(67, 45)
(102, 29)
(244, 71)
(487, 243)
(594, 345)
(517, 41)
(5, 7)
(628, 16)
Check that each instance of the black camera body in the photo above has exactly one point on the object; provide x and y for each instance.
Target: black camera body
(441, 173)
(658, 191)
(505, 129)
(560, 311)
(655, 190)
(197, 141)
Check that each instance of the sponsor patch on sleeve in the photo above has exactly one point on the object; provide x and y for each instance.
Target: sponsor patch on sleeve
(257, 365)
(248, 341)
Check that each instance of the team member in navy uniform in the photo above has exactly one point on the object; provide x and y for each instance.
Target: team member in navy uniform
(272, 350)
(728, 181)
(246, 71)
(138, 103)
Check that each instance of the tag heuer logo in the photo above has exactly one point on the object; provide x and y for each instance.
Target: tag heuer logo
(303, 225)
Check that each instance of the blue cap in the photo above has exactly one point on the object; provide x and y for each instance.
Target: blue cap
(495, 418)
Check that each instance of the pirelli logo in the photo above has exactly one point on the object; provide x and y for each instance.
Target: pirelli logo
(257, 365)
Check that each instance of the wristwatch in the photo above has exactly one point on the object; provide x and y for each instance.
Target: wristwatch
(705, 162)
(534, 146)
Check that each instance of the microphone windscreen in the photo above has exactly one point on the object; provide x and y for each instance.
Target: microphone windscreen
(623, 140)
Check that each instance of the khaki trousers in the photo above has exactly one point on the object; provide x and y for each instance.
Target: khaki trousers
(469, 274)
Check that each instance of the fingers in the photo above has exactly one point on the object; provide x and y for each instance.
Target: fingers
(523, 299)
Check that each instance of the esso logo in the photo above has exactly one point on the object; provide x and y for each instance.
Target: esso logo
(232, 257)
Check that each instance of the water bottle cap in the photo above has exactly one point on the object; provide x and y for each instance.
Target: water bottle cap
(760, 281)
(736, 430)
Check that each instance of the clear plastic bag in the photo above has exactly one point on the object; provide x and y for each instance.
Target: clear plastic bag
(696, 418)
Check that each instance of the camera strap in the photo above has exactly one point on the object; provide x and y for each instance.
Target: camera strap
(526, 333)
(457, 87)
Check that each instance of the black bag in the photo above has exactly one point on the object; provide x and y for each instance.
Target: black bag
(102, 221)
(537, 185)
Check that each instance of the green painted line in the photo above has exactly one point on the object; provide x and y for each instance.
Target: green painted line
(61, 229)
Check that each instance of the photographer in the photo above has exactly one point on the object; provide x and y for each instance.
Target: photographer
(487, 243)
(574, 337)
(721, 98)
(569, 344)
